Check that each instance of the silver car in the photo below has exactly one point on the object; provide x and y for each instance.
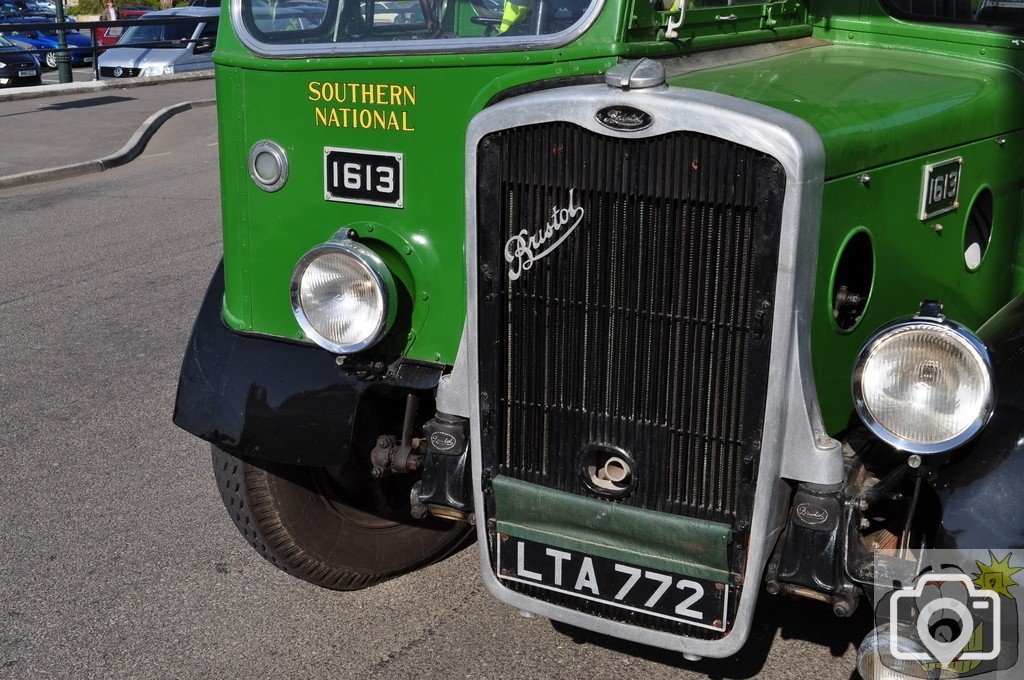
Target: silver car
(156, 48)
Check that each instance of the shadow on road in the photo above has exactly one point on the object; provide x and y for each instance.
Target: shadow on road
(793, 619)
(86, 103)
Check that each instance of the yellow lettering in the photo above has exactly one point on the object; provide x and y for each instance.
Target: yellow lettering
(366, 118)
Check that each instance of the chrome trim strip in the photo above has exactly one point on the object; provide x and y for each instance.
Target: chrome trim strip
(389, 47)
(794, 444)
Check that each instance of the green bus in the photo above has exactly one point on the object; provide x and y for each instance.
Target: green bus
(661, 304)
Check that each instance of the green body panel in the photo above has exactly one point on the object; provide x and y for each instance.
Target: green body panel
(913, 261)
(679, 545)
(874, 107)
(857, 98)
(886, 96)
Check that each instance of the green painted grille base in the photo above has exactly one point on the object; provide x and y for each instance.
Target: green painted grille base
(678, 545)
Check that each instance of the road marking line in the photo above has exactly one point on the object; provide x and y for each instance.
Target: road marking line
(214, 144)
(153, 155)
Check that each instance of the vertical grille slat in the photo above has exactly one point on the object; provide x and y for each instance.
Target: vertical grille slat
(645, 328)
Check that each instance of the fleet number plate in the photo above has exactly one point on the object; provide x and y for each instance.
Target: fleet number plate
(695, 601)
(941, 188)
(367, 177)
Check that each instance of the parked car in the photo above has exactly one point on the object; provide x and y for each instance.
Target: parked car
(110, 35)
(46, 41)
(28, 8)
(8, 10)
(204, 3)
(17, 68)
(160, 48)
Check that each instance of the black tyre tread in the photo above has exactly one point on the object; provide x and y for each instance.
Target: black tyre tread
(245, 490)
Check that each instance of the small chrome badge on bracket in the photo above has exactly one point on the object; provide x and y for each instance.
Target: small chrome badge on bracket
(624, 118)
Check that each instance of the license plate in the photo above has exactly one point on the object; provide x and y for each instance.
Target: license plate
(941, 188)
(367, 177)
(26, 74)
(695, 601)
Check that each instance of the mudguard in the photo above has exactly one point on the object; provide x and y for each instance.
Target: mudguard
(980, 493)
(270, 399)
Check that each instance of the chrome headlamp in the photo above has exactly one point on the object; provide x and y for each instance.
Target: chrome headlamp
(924, 384)
(343, 296)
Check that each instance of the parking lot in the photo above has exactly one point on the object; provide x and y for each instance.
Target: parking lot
(138, 42)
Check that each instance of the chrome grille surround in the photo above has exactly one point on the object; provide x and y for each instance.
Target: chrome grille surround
(794, 443)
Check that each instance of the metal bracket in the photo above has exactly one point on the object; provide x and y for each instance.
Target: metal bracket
(674, 24)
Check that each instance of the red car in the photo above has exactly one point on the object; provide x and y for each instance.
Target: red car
(109, 36)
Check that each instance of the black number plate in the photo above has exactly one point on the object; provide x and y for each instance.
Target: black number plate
(695, 601)
(368, 177)
(941, 188)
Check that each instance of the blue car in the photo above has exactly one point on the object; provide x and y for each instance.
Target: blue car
(45, 41)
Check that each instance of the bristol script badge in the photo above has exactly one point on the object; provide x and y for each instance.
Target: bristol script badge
(523, 249)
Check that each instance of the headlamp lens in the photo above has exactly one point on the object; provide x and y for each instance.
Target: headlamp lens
(342, 296)
(924, 385)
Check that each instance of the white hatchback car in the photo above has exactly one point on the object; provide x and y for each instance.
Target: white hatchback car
(156, 48)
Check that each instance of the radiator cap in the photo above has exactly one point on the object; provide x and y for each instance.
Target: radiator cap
(635, 74)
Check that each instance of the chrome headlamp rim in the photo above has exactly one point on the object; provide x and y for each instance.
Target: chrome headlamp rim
(275, 150)
(942, 325)
(372, 263)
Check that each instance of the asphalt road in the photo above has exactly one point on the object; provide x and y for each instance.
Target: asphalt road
(52, 131)
(117, 558)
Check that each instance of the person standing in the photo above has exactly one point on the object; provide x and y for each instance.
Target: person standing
(110, 11)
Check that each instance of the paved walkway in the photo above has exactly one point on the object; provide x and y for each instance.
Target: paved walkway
(54, 131)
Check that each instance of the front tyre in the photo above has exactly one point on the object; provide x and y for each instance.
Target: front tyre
(334, 527)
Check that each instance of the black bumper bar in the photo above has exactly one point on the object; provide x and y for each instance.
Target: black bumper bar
(274, 400)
